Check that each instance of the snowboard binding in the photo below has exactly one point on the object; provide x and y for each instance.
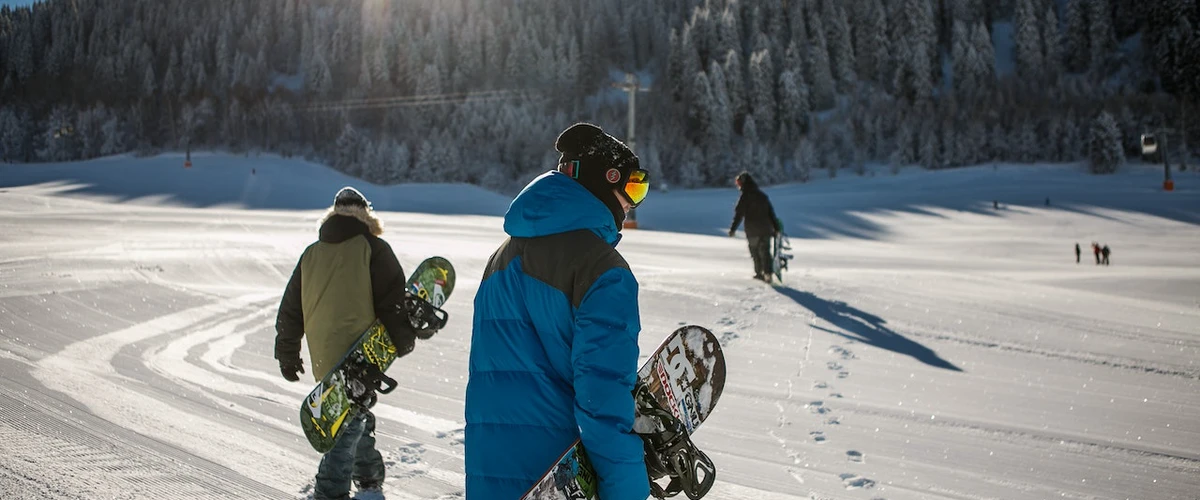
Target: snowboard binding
(670, 452)
(425, 318)
(365, 382)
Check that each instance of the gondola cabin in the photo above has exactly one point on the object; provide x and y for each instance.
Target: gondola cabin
(1149, 144)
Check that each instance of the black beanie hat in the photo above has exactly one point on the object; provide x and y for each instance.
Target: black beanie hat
(597, 161)
(349, 196)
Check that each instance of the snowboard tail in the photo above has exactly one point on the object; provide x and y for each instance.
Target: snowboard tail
(677, 388)
(353, 385)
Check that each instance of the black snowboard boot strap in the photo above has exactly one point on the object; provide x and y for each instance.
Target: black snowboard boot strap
(671, 453)
(365, 381)
(425, 318)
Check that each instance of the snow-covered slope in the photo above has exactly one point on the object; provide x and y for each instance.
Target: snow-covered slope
(924, 346)
(260, 182)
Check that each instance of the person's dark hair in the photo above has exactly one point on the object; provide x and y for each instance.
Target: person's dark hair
(745, 181)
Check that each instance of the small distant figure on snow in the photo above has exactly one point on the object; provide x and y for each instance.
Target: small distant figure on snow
(1096, 252)
(1077, 253)
(996, 204)
(1047, 201)
(1104, 251)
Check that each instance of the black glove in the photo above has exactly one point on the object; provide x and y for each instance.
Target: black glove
(291, 370)
(732, 233)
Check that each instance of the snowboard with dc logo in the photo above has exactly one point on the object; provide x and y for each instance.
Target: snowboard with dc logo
(677, 388)
(353, 383)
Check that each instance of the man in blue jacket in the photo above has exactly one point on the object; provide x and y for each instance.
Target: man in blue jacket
(554, 344)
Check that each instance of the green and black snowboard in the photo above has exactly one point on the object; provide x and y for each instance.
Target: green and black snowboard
(677, 388)
(353, 383)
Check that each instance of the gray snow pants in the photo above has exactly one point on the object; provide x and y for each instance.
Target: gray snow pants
(760, 252)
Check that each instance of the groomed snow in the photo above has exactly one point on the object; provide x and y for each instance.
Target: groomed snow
(925, 345)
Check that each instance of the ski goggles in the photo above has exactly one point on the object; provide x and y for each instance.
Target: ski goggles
(637, 187)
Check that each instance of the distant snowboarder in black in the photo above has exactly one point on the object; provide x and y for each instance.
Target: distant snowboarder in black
(1104, 251)
(1077, 253)
(761, 224)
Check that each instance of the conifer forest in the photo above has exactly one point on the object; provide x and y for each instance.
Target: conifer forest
(475, 91)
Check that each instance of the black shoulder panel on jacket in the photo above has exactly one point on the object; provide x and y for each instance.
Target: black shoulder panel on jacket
(570, 262)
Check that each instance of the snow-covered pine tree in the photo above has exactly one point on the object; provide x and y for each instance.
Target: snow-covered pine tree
(1105, 152)
(952, 153)
(701, 108)
(690, 175)
(59, 142)
(841, 48)
(12, 135)
(762, 93)
(985, 62)
(911, 39)
(1052, 60)
(750, 156)
(793, 105)
(805, 158)
(999, 148)
(349, 145)
(905, 151)
(720, 116)
(729, 33)
(1077, 48)
(822, 86)
(871, 41)
(1026, 145)
(961, 52)
(1027, 48)
(929, 144)
(735, 87)
(1100, 33)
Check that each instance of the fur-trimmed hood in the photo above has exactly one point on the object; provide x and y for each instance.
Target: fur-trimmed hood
(343, 222)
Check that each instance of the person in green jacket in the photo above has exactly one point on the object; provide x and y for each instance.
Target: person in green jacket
(343, 282)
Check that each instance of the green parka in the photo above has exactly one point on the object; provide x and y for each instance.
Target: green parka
(343, 282)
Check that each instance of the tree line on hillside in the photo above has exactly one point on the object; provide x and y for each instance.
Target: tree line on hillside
(475, 90)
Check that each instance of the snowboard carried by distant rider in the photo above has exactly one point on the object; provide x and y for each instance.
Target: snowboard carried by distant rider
(676, 390)
(779, 256)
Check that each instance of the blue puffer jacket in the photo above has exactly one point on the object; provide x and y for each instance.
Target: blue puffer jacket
(554, 349)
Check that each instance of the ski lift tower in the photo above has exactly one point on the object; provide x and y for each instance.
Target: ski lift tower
(631, 86)
(1151, 146)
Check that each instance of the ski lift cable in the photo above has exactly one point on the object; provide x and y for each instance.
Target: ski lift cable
(416, 100)
(362, 106)
(413, 98)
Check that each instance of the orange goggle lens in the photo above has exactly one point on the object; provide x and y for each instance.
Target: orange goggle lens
(637, 187)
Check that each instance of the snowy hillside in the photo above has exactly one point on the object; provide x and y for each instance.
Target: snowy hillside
(925, 345)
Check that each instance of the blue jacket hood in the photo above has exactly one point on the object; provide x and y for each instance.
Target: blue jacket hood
(554, 203)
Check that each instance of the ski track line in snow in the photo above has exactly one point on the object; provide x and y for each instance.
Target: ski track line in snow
(1161, 459)
(84, 371)
(221, 340)
(1078, 357)
(979, 306)
(97, 459)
